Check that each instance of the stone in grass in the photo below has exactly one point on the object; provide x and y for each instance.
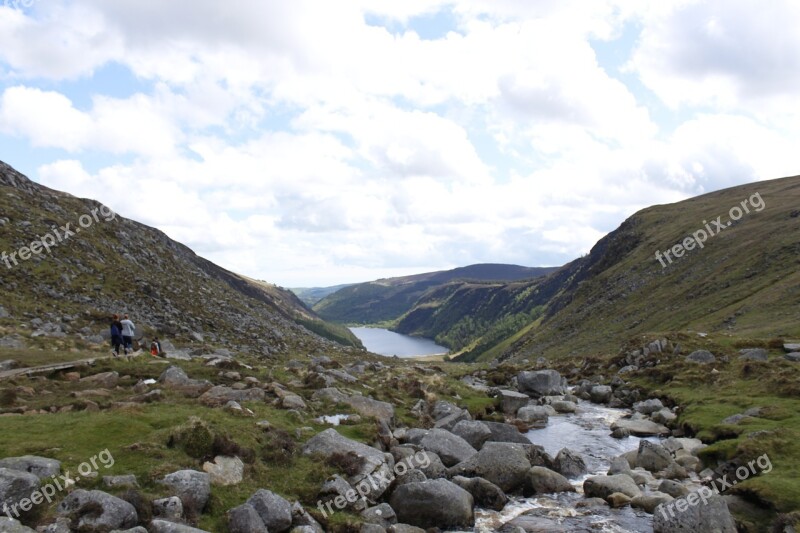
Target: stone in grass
(245, 519)
(275, 511)
(702, 357)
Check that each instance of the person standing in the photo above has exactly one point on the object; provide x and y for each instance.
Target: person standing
(116, 335)
(128, 331)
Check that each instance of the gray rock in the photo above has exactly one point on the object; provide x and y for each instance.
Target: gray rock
(225, 471)
(640, 428)
(442, 409)
(753, 354)
(434, 503)
(648, 502)
(13, 342)
(673, 488)
(361, 404)
(41, 467)
(564, 407)
(604, 486)
(3, 312)
(511, 401)
(664, 416)
(503, 463)
(485, 493)
(192, 487)
(702, 357)
(534, 415)
(791, 347)
(106, 380)
(96, 511)
(569, 463)
(680, 515)
(601, 393)
(176, 378)
(474, 432)
(301, 518)
(8, 364)
(274, 510)
(163, 526)
(450, 448)
(337, 487)
(170, 509)
(113, 482)
(792, 356)
(404, 528)
(648, 407)
(373, 462)
(735, 419)
(220, 395)
(541, 383)
(653, 457)
(505, 433)
(382, 515)
(16, 485)
(541, 480)
(9, 525)
(245, 519)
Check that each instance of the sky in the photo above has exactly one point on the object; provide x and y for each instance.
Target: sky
(318, 142)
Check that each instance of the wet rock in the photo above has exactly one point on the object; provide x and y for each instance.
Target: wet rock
(569, 463)
(505, 433)
(512, 401)
(541, 480)
(564, 407)
(275, 511)
(653, 457)
(640, 428)
(648, 502)
(434, 503)
(485, 493)
(96, 511)
(534, 416)
(530, 523)
(604, 486)
(648, 407)
(601, 394)
(673, 488)
(617, 499)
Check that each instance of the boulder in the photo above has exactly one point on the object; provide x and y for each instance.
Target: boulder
(673, 488)
(541, 480)
(604, 486)
(601, 393)
(649, 501)
(177, 379)
(653, 457)
(564, 407)
(192, 487)
(106, 380)
(616, 500)
(382, 515)
(16, 485)
(539, 383)
(434, 503)
(485, 493)
(648, 407)
(164, 526)
(335, 490)
(791, 347)
(502, 463)
(372, 461)
(640, 428)
(511, 401)
(96, 511)
(225, 471)
(531, 523)
(753, 354)
(170, 509)
(692, 514)
(702, 357)
(792, 356)
(275, 511)
(115, 482)
(449, 422)
(361, 404)
(450, 448)
(569, 463)
(474, 432)
(505, 433)
(221, 395)
(41, 467)
(535, 416)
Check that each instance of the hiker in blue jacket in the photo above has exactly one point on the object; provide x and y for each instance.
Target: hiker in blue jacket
(116, 335)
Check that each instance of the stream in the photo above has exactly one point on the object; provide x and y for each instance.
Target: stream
(586, 432)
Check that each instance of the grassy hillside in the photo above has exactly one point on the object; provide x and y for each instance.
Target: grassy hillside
(66, 292)
(311, 295)
(385, 300)
(743, 282)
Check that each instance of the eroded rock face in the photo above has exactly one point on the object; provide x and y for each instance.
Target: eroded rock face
(433, 503)
(97, 511)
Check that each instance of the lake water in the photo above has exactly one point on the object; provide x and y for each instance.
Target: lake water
(385, 342)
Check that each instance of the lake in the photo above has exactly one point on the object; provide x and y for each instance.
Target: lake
(385, 342)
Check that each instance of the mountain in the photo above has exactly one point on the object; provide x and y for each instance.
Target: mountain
(311, 295)
(69, 263)
(744, 281)
(388, 299)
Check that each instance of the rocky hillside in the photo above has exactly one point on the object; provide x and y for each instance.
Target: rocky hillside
(728, 271)
(69, 263)
(386, 300)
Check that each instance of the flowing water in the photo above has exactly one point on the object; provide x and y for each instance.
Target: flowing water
(587, 433)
